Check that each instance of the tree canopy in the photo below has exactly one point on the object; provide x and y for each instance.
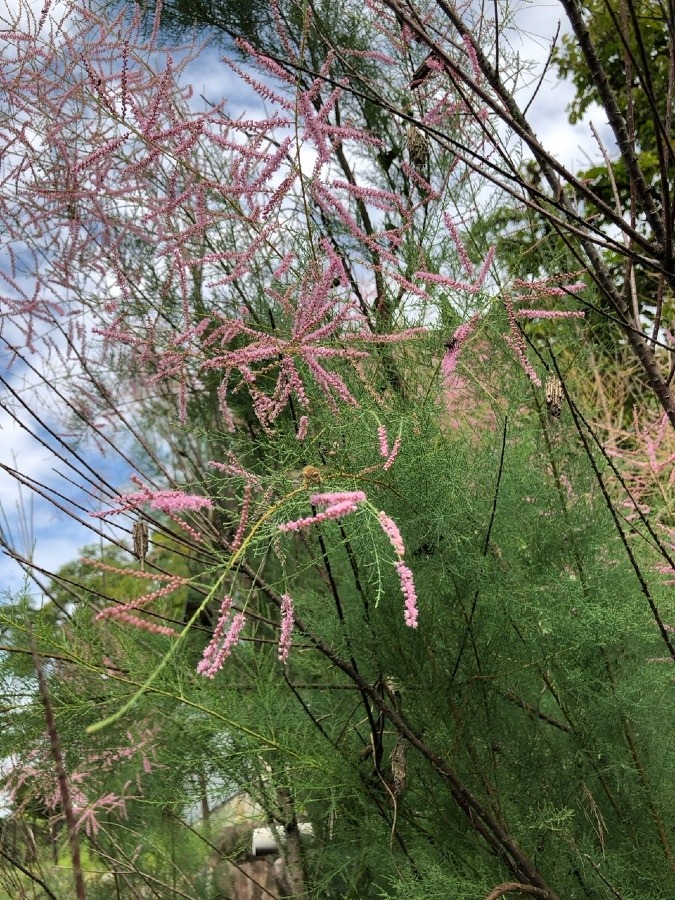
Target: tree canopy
(382, 578)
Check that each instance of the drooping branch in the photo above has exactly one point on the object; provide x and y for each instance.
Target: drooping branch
(27, 872)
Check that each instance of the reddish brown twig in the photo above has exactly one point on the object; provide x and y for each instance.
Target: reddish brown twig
(510, 886)
(61, 777)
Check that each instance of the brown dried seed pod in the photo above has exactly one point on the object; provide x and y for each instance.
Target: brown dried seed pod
(554, 396)
(398, 766)
(141, 540)
(418, 147)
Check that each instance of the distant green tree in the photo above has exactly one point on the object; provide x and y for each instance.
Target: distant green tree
(633, 42)
(634, 46)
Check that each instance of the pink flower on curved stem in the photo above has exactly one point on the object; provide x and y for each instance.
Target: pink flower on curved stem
(338, 504)
(224, 640)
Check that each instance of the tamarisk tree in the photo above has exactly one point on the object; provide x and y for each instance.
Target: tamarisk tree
(386, 578)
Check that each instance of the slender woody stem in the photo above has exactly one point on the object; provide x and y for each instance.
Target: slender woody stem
(61, 777)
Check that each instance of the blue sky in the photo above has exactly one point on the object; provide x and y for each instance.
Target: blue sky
(37, 528)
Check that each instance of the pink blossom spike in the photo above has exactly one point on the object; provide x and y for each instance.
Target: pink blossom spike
(389, 462)
(178, 501)
(337, 497)
(467, 265)
(408, 588)
(145, 625)
(243, 517)
(223, 642)
(382, 439)
(286, 627)
(337, 504)
(390, 528)
(336, 511)
(455, 344)
(473, 58)
(170, 502)
(517, 344)
(303, 425)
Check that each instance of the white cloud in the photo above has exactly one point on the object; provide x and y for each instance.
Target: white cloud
(25, 15)
(531, 35)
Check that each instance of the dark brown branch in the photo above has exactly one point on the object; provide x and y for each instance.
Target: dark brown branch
(523, 704)
(544, 70)
(604, 879)
(61, 776)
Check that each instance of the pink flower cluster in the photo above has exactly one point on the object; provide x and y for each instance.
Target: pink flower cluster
(122, 615)
(126, 612)
(338, 504)
(170, 502)
(224, 640)
(408, 588)
(529, 292)
(516, 342)
(455, 344)
(286, 627)
(390, 455)
(391, 529)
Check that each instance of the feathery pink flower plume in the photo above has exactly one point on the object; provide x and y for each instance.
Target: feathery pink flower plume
(171, 502)
(455, 344)
(327, 499)
(382, 440)
(286, 627)
(390, 528)
(303, 425)
(337, 504)
(390, 455)
(389, 461)
(223, 641)
(408, 588)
